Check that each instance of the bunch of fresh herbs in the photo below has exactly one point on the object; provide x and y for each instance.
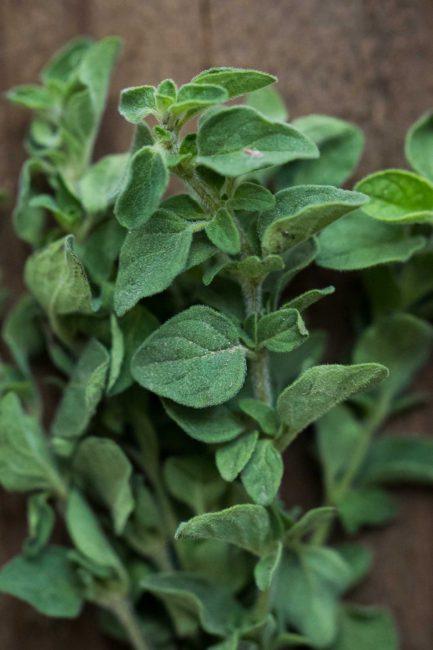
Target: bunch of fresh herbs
(186, 367)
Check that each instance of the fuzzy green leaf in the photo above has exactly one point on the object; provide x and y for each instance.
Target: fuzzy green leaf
(214, 424)
(144, 185)
(247, 526)
(262, 413)
(398, 196)
(56, 278)
(263, 473)
(105, 472)
(303, 211)
(47, 582)
(81, 397)
(150, 258)
(309, 298)
(281, 331)
(137, 103)
(266, 567)
(251, 197)
(340, 145)
(195, 359)
(360, 242)
(419, 145)
(25, 460)
(238, 140)
(311, 521)
(232, 457)
(236, 81)
(198, 96)
(100, 184)
(320, 388)
(223, 232)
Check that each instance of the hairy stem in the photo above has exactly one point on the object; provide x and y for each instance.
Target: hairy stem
(124, 613)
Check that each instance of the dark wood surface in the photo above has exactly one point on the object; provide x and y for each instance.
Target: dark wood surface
(363, 60)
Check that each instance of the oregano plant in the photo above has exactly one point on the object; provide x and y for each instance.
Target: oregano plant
(185, 364)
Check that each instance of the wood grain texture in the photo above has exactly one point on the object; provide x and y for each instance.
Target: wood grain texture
(363, 60)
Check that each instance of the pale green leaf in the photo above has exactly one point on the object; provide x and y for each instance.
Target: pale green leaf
(100, 184)
(266, 567)
(236, 81)
(419, 145)
(269, 103)
(366, 628)
(263, 473)
(137, 103)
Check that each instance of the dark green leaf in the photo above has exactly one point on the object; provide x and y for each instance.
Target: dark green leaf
(263, 473)
(223, 232)
(232, 457)
(214, 424)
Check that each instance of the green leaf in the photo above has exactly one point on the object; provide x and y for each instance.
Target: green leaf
(419, 145)
(214, 606)
(63, 66)
(251, 197)
(135, 325)
(262, 413)
(37, 98)
(223, 232)
(320, 388)
(317, 577)
(88, 537)
(214, 424)
(101, 248)
(232, 457)
(311, 521)
(137, 103)
(238, 140)
(269, 103)
(359, 558)
(340, 146)
(25, 460)
(100, 184)
(309, 298)
(105, 472)
(281, 331)
(40, 520)
(263, 473)
(22, 332)
(365, 628)
(236, 81)
(360, 242)
(195, 358)
(266, 568)
(399, 459)
(144, 185)
(338, 435)
(150, 258)
(402, 343)
(247, 526)
(116, 354)
(56, 278)
(47, 582)
(184, 206)
(194, 481)
(95, 69)
(81, 397)
(198, 96)
(28, 220)
(303, 211)
(365, 507)
(398, 196)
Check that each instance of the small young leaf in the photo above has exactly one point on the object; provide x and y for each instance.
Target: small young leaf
(262, 413)
(137, 103)
(144, 185)
(37, 98)
(358, 242)
(263, 473)
(303, 211)
(232, 457)
(251, 197)
(150, 258)
(398, 196)
(309, 298)
(419, 145)
(47, 582)
(196, 96)
(223, 232)
(105, 473)
(266, 568)
(195, 358)
(214, 424)
(236, 81)
(41, 520)
(238, 140)
(81, 397)
(320, 388)
(281, 331)
(247, 526)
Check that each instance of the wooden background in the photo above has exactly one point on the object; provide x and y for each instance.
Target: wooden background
(365, 60)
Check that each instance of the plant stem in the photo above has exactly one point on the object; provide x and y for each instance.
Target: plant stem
(373, 422)
(124, 613)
